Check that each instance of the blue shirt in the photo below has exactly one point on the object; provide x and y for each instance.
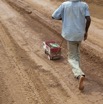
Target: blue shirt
(73, 15)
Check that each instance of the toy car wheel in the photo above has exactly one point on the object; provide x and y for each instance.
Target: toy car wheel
(49, 57)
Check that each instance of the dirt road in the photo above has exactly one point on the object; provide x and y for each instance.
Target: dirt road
(26, 74)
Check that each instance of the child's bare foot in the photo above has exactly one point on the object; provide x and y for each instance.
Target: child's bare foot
(81, 80)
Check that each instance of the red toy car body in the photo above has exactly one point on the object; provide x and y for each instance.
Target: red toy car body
(52, 49)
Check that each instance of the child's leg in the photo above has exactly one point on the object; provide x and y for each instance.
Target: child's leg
(74, 58)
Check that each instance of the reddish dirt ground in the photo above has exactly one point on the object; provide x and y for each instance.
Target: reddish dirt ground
(26, 74)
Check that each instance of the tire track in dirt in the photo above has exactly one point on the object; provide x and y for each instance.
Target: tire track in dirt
(11, 55)
(5, 97)
(16, 80)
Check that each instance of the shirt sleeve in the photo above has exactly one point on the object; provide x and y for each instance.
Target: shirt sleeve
(87, 13)
(58, 13)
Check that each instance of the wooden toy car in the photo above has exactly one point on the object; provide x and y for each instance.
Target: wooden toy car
(52, 49)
